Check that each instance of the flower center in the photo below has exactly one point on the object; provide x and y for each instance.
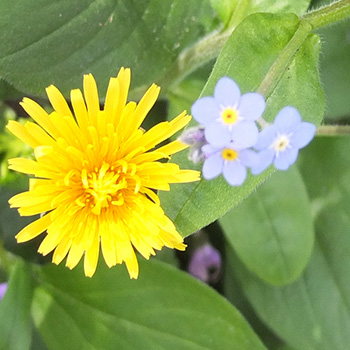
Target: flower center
(229, 115)
(102, 188)
(281, 143)
(229, 154)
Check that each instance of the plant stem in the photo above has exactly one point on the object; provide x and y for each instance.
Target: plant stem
(277, 69)
(329, 14)
(210, 46)
(333, 130)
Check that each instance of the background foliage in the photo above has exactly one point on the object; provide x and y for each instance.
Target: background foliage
(284, 237)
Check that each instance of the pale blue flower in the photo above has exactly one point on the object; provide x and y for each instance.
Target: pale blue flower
(228, 160)
(229, 116)
(280, 143)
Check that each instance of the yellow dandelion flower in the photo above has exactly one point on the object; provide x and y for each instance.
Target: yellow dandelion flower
(94, 176)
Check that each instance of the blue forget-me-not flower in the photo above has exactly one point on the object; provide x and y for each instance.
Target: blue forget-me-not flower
(232, 142)
(280, 143)
(229, 117)
(228, 160)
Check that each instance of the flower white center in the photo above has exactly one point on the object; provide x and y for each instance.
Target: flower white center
(281, 143)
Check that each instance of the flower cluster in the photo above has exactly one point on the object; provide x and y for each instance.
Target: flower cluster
(233, 142)
(95, 176)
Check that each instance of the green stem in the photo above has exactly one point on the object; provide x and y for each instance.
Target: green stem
(239, 13)
(332, 13)
(192, 58)
(209, 47)
(333, 130)
(204, 50)
(282, 62)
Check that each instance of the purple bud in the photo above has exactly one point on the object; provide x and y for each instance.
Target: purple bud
(205, 264)
(193, 136)
(196, 155)
(3, 287)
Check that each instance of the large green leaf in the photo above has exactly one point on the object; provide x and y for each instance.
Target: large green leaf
(323, 166)
(44, 42)
(255, 46)
(272, 230)
(163, 309)
(15, 324)
(313, 313)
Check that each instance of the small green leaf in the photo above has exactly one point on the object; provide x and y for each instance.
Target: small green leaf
(61, 40)
(15, 323)
(272, 230)
(247, 57)
(163, 309)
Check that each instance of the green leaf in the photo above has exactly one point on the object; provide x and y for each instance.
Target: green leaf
(272, 230)
(15, 324)
(314, 312)
(62, 40)
(327, 157)
(247, 57)
(231, 8)
(294, 6)
(163, 309)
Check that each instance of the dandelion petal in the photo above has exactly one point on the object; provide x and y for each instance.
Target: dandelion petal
(97, 173)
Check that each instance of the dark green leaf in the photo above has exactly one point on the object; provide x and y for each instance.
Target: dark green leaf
(326, 157)
(61, 40)
(314, 312)
(11, 223)
(15, 324)
(264, 36)
(163, 309)
(272, 230)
